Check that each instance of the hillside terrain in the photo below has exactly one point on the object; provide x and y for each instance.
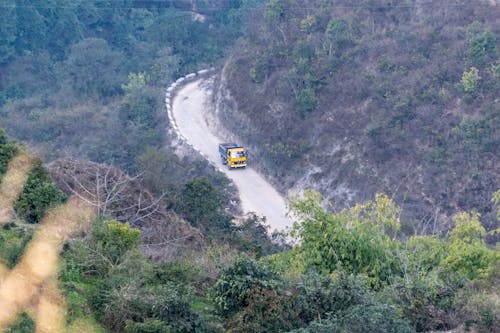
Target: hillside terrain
(109, 224)
(353, 98)
(95, 91)
(164, 235)
(76, 237)
(82, 263)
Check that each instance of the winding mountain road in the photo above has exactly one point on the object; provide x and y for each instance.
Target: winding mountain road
(193, 121)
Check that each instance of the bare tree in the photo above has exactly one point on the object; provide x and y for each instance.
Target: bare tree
(123, 198)
(108, 189)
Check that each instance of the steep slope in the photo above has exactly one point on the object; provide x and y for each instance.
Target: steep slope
(165, 235)
(192, 115)
(373, 96)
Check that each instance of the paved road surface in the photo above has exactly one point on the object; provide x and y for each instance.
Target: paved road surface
(256, 194)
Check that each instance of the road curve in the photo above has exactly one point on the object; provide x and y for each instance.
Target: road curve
(189, 112)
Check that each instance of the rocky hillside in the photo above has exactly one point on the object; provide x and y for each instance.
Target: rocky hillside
(373, 96)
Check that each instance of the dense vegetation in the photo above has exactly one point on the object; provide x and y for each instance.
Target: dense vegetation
(368, 96)
(349, 273)
(95, 91)
(402, 88)
(85, 78)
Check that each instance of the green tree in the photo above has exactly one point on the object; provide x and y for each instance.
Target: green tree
(308, 24)
(275, 10)
(113, 239)
(153, 163)
(8, 33)
(319, 297)
(165, 68)
(496, 200)
(481, 44)
(470, 81)
(425, 254)
(232, 290)
(339, 33)
(140, 104)
(360, 240)
(468, 255)
(31, 26)
(39, 194)
(203, 206)
(307, 100)
(136, 81)
(63, 22)
(7, 151)
(92, 68)
(344, 303)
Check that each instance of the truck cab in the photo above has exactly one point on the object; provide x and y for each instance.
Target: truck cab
(233, 155)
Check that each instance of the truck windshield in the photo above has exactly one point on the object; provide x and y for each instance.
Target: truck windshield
(237, 154)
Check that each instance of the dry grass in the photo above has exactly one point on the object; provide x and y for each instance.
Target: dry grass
(32, 285)
(12, 184)
(39, 264)
(51, 310)
(4, 270)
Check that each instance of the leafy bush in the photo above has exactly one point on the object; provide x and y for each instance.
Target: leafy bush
(360, 240)
(307, 100)
(24, 324)
(374, 318)
(319, 297)
(478, 308)
(232, 290)
(282, 153)
(252, 236)
(124, 299)
(123, 289)
(113, 239)
(266, 311)
(426, 301)
(7, 151)
(172, 304)
(344, 303)
(481, 43)
(13, 241)
(360, 319)
(470, 81)
(39, 194)
(148, 326)
(468, 255)
(140, 104)
(203, 206)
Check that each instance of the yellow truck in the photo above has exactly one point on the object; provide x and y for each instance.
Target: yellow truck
(233, 155)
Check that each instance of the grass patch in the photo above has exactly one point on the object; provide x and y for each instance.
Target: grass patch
(86, 324)
(204, 307)
(13, 240)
